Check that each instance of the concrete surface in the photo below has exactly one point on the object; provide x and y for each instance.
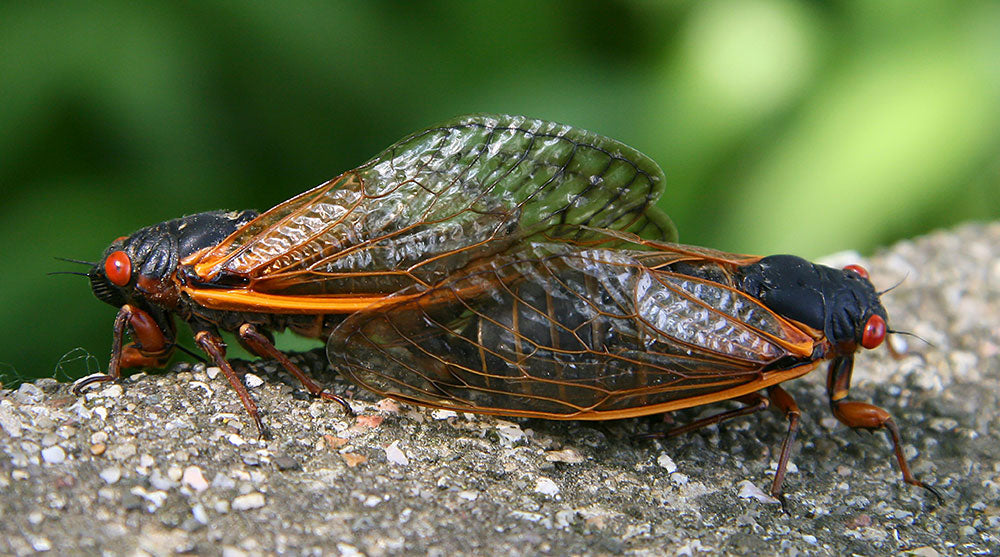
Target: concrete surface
(170, 463)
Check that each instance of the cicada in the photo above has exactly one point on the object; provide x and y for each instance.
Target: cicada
(499, 265)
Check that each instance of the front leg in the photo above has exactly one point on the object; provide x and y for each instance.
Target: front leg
(866, 416)
(152, 347)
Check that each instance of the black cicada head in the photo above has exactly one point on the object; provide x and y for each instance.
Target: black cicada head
(137, 267)
(842, 303)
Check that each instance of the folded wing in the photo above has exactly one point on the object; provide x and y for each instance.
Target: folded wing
(558, 331)
(439, 199)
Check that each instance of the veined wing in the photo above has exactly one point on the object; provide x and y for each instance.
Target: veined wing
(557, 331)
(439, 199)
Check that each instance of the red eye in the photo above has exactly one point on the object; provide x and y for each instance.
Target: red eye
(118, 268)
(857, 269)
(874, 332)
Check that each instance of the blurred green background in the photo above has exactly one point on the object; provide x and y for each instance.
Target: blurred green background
(783, 126)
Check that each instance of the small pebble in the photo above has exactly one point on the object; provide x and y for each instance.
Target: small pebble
(335, 442)
(123, 451)
(41, 544)
(252, 381)
(155, 498)
(509, 432)
(113, 391)
(370, 421)
(53, 455)
(29, 393)
(388, 405)
(194, 479)
(222, 481)
(569, 456)
(353, 459)
(545, 486)
(111, 474)
(249, 501)
(9, 421)
(750, 491)
(161, 482)
(199, 514)
(667, 463)
(286, 463)
(348, 550)
(174, 473)
(395, 455)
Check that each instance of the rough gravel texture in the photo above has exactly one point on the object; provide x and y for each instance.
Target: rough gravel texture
(170, 462)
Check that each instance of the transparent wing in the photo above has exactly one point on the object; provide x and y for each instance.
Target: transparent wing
(558, 331)
(440, 198)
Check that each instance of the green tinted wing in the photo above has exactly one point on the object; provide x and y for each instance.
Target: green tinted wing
(441, 198)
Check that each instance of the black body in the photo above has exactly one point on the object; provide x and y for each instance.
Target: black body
(836, 301)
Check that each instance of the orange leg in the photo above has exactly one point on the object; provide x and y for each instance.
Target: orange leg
(152, 347)
(755, 402)
(261, 345)
(784, 401)
(213, 345)
(866, 416)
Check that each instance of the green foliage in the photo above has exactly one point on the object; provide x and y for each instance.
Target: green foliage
(783, 126)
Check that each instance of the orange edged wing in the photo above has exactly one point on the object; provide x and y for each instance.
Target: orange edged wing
(437, 200)
(560, 332)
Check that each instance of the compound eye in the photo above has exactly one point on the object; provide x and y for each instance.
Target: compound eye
(874, 332)
(118, 268)
(858, 269)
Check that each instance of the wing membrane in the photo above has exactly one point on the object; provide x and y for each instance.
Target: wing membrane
(558, 331)
(439, 199)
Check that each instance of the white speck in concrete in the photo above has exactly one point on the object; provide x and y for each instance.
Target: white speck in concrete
(53, 455)
(111, 474)
(113, 391)
(249, 501)
(194, 479)
(569, 456)
(666, 463)
(545, 486)
(198, 511)
(41, 544)
(750, 491)
(396, 455)
(9, 421)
